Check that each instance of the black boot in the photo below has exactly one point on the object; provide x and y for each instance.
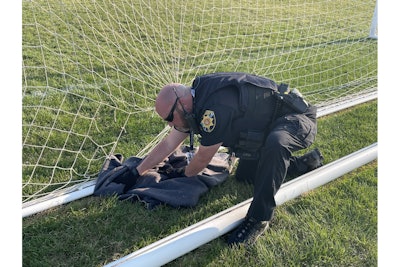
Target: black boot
(312, 159)
(308, 162)
(248, 232)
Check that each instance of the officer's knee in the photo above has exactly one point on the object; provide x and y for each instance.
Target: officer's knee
(276, 141)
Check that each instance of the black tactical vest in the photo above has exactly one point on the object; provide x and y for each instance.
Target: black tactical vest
(256, 103)
(211, 83)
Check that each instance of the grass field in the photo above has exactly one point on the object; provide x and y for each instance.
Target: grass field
(335, 225)
(91, 70)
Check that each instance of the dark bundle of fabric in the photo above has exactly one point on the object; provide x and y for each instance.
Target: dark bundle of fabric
(160, 185)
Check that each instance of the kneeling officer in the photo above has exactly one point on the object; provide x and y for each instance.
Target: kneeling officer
(262, 122)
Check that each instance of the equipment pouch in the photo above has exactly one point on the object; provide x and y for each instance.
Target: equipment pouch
(246, 155)
(251, 140)
(249, 143)
(293, 98)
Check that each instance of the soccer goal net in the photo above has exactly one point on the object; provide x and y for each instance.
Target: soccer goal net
(91, 69)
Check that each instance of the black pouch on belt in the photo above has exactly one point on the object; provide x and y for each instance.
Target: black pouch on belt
(293, 98)
(249, 144)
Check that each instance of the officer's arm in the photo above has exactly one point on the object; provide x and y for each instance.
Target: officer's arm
(201, 159)
(168, 145)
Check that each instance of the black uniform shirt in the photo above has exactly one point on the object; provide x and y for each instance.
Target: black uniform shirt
(220, 103)
(216, 118)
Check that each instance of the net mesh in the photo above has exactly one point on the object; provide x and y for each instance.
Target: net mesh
(91, 69)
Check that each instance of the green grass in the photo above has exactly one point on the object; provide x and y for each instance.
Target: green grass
(334, 225)
(91, 71)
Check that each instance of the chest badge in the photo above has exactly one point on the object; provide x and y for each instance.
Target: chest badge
(208, 121)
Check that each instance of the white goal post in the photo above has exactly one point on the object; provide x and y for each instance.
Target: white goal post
(91, 69)
(373, 33)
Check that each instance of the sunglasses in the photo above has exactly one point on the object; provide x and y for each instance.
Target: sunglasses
(170, 116)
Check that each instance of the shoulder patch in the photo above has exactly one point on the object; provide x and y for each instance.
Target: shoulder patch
(208, 121)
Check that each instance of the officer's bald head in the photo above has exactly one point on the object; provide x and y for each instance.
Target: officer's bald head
(166, 98)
